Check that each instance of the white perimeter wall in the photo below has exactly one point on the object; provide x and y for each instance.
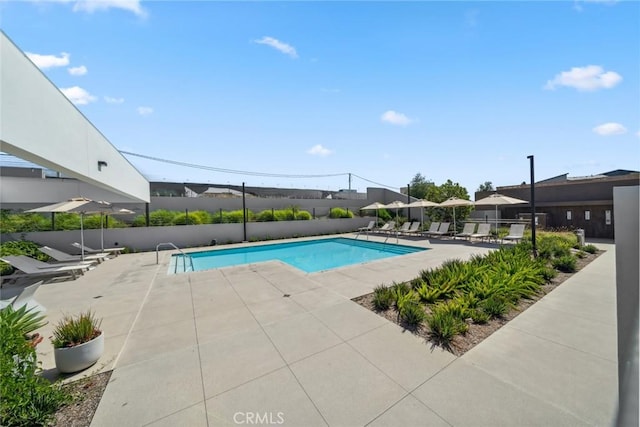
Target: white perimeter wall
(39, 124)
(146, 238)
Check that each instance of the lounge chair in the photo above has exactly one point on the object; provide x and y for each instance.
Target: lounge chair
(32, 267)
(443, 230)
(361, 229)
(414, 229)
(433, 228)
(467, 231)
(404, 228)
(88, 250)
(484, 232)
(516, 232)
(386, 227)
(65, 257)
(25, 298)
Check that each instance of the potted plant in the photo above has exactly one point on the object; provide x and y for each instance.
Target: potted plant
(78, 342)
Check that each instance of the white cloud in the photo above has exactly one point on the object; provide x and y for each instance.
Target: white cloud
(48, 61)
(395, 118)
(638, 134)
(610, 128)
(110, 100)
(91, 6)
(77, 95)
(589, 78)
(145, 111)
(319, 150)
(77, 71)
(285, 48)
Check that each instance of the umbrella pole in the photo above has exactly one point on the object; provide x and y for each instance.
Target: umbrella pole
(101, 231)
(497, 223)
(81, 237)
(455, 229)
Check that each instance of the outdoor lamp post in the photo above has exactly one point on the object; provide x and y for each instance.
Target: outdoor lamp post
(533, 207)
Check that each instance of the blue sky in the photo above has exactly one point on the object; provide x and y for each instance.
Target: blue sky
(384, 90)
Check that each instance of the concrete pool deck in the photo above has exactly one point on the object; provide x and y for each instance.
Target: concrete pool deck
(227, 347)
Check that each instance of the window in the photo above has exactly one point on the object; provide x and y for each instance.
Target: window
(568, 215)
(587, 215)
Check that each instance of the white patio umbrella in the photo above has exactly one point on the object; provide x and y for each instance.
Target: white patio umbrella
(79, 205)
(373, 206)
(454, 202)
(422, 203)
(396, 205)
(499, 200)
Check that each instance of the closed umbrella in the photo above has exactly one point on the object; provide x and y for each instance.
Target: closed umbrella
(453, 202)
(499, 200)
(422, 203)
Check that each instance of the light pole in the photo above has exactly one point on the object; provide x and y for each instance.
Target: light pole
(533, 207)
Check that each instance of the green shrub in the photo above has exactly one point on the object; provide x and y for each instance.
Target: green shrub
(581, 254)
(184, 219)
(283, 215)
(303, 215)
(445, 326)
(203, 216)
(161, 217)
(384, 215)
(590, 249)
(382, 297)
(23, 222)
(495, 306)
(549, 273)
(413, 314)
(566, 263)
(27, 398)
(340, 213)
(479, 317)
(266, 215)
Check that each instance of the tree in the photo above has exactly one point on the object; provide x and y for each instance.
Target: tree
(440, 193)
(419, 186)
(487, 186)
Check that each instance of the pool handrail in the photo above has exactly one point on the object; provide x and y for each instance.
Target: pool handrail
(184, 255)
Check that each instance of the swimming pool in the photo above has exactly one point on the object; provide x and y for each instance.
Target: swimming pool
(310, 255)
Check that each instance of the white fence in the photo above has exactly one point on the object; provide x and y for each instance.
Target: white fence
(146, 238)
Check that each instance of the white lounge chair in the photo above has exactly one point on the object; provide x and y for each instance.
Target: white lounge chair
(484, 232)
(414, 229)
(516, 232)
(386, 227)
(32, 267)
(25, 298)
(404, 228)
(361, 229)
(467, 231)
(433, 228)
(65, 257)
(87, 249)
(443, 230)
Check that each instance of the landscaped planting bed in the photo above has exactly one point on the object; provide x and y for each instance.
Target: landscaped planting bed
(459, 304)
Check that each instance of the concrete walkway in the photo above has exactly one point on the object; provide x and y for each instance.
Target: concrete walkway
(268, 344)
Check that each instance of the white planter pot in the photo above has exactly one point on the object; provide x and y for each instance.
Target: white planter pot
(74, 359)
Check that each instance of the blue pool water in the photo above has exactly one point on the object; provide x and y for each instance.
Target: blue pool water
(310, 255)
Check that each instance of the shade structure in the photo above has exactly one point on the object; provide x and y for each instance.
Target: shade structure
(454, 202)
(396, 205)
(499, 200)
(373, 206)
(83, 206)
(422, 203)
